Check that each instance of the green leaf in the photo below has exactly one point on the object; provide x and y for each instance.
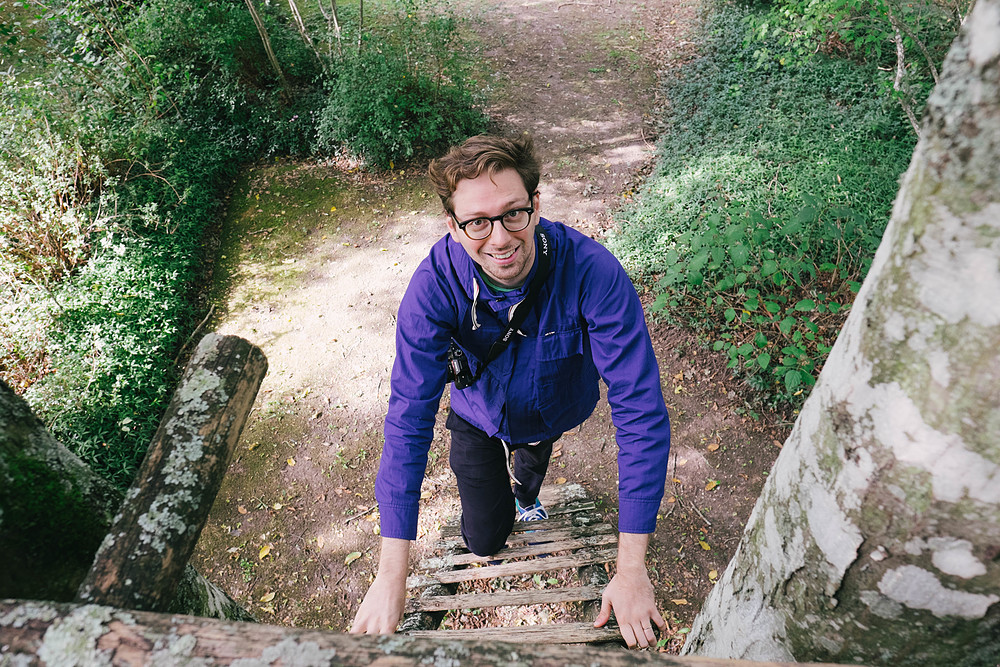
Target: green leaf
(739, 254)
(808, 214)
(659, 303)
(730, 314)
(764, 360)
(770, 266)
(805, 305)
(785, 326)
(792, 380)
(760, 340)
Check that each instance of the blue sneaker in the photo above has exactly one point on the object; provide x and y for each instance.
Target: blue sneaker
(534, 512)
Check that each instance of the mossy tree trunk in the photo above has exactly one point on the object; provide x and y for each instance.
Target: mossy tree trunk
(55, 511)
(876, 538)
(71, 634)
(143, 556)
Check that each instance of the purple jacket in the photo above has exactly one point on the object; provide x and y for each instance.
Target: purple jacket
(587, 324)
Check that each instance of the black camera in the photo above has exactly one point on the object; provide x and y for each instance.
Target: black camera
(458, 368)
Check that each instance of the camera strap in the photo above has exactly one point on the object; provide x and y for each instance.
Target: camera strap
(544, 250)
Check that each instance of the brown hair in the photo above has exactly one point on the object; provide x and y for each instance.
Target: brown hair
(481, 154)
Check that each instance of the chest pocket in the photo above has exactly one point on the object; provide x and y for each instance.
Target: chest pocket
(562, 373)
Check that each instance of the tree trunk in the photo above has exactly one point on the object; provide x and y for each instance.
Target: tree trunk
(304, 34)
(70, 634)
(54, 513)
(54, 510)
(876, 538)
(140, 562)
(266, 41)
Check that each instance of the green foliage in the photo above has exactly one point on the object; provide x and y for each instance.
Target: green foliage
(403, 92)
(907, 40)
(771, 194)
(383, 111)
(121, 127)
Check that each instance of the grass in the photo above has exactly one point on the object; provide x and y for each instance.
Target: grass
(772, 189)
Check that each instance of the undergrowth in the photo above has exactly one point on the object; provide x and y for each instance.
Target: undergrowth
(772, 189)
(123, 125)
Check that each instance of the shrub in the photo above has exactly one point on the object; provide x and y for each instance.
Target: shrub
(384, 112)
(404, 91)
(770, 195)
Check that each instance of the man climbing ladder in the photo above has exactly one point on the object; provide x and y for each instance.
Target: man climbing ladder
(525, 316)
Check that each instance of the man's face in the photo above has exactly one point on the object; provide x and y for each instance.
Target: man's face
(506, 257)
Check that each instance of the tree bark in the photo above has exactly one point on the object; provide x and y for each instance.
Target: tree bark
(71, 634)
(266, 41)
(148, 546)
(304, 34)
(54, 510)
(54, 513)
(876, 538)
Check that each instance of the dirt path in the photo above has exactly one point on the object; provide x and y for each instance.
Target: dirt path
(314, 260)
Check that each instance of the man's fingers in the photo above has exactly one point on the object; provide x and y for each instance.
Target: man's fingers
(604, 614)
(628, 635)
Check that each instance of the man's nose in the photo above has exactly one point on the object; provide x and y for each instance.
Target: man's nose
(499, 234)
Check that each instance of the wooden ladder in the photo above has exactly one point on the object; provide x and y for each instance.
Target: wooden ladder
(571, 537)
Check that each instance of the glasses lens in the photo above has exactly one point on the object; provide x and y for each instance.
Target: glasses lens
(515, 221)
(479, 229)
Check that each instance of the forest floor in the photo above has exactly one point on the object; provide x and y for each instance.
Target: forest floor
(314, 258)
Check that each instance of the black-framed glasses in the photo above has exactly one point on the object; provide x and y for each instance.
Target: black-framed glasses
(514, 220)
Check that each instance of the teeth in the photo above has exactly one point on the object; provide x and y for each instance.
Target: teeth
(505, 256)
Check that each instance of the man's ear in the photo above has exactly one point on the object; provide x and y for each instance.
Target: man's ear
(536, 202)
(452, 227)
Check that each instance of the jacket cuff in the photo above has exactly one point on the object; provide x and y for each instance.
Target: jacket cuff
(398, 521)
(637, 516)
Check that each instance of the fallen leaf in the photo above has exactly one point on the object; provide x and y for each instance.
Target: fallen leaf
(561, 480)
(714, 446)
(711, 485)
(713, 575)
(680, 601)
(424, 495)
(671, 499)
(679, 377)
(341, 490)
(704, 545)
(277, 506)
(678, 389)
(265, 551)
(351, 557)
(267, 597)
(241, 509)
(678, 481)
(252, 446)
(682, 462)
(268, 608)
(777, 444)
(290, 461)
(320, 541)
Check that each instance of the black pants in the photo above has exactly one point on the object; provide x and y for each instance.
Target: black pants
(479, 463)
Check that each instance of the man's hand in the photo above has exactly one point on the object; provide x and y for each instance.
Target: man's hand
(630, 594)
(382, 607)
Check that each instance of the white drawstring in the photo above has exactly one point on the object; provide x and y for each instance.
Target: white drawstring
(507, 458)
(475, 298)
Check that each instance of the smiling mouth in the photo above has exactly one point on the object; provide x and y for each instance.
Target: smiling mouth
(506, 255)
